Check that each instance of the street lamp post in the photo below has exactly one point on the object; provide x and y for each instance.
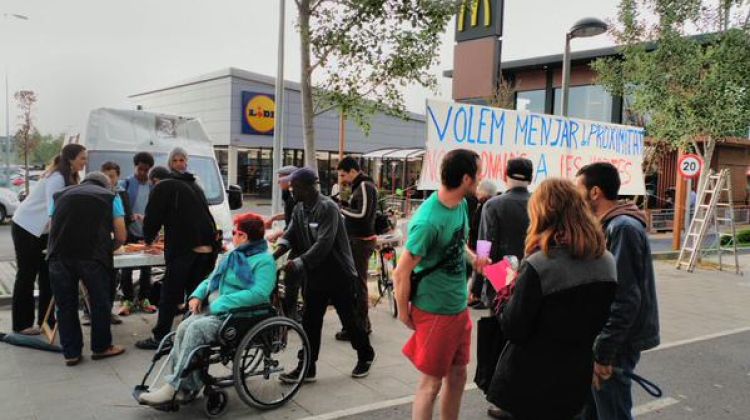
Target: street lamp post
(584, 28)
(278, 132)
(8, 16)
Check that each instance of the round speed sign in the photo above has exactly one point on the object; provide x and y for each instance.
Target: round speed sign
(690, 166)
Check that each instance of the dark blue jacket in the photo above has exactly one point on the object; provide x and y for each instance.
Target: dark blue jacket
(633, 322)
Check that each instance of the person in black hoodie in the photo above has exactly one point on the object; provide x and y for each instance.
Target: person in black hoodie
(359, 216)
(190, 240)
(561, 301)
(318, 237)
(633, 324)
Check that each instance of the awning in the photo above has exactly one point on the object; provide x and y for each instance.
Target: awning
(378, 154)
(394, 154)
(405, 154)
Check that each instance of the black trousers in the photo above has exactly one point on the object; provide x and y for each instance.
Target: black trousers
(30, 263)
(182, 276)
(344, 301)
(361, 252)
(292, 285)
(65, 274)
(126, 279)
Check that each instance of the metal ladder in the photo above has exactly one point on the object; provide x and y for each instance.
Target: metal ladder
(713, 188)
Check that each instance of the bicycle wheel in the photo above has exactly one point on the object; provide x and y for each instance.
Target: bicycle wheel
(388, 286)
(273, 347)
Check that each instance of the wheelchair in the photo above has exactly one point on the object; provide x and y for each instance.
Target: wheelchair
(259, 343)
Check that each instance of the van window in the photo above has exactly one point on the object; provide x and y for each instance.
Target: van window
(204, 168)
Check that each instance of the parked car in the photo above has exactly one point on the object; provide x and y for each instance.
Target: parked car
(8, 203)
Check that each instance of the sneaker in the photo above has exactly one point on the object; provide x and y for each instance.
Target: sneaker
(147, 307)
(291, 377)
(147, 344)
(126, 308)
(362, 368)
(115, 320)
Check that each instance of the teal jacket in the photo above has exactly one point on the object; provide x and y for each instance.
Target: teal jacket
(246, 277)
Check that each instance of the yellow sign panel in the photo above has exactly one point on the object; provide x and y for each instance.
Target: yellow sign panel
(259, 113)
(474, 14)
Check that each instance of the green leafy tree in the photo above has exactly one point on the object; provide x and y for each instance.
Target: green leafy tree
(689, 90)
(47, 147)
(363, 53)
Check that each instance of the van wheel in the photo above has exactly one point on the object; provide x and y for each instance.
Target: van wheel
(3, 213)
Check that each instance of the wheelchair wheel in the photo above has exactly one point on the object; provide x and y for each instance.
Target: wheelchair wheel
(215, 403)
(273, 347)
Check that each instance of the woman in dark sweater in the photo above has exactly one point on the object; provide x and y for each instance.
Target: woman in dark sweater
(560, 303)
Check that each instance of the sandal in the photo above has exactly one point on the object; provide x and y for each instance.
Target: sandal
(31, 331)
(110, 352)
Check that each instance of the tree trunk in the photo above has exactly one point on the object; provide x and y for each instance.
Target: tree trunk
(26, 165)
(708, 153)
(308, 130)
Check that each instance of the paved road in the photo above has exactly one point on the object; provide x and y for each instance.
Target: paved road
(703, 380)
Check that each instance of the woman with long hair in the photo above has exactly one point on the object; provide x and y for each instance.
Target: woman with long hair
(29, 231)
(561, 301)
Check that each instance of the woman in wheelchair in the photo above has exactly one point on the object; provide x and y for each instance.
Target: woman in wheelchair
(246, 277)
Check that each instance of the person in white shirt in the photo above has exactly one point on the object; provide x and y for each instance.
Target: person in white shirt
(29, 231)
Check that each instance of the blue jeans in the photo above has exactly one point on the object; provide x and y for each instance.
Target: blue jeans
(194, 331)
(614, 401)
(64, 275)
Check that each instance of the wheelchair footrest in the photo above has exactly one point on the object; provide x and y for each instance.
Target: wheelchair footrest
(141, 389)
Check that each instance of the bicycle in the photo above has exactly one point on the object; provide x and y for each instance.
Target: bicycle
(385, 251)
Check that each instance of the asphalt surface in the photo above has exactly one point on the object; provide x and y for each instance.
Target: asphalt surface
(702, 380)
(6, 242)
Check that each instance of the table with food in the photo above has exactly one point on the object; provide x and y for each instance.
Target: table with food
(139, 255)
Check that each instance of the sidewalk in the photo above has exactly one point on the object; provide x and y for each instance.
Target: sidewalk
(35, 384)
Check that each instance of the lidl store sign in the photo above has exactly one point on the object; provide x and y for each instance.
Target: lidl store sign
(258, 113)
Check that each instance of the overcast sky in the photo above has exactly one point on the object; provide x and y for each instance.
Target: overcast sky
(83, 54)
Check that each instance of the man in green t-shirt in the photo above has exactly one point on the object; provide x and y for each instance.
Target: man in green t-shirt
(436, 251)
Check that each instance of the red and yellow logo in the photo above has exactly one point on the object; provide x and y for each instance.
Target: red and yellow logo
(259, 113)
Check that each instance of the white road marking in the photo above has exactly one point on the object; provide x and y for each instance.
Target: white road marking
(700, 338)
(639, 410)
(371, 407)
(659, 404)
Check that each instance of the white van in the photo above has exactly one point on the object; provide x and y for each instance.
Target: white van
(117, 135)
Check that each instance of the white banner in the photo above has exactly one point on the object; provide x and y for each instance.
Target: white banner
(557, 146)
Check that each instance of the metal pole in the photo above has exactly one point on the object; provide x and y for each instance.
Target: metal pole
(278, 131)
(7, 132)
(566, 75)
(688, 219)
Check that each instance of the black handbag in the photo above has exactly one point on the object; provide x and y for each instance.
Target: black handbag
(490, 343)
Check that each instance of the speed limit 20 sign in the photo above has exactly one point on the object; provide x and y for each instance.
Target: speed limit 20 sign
(690, 166)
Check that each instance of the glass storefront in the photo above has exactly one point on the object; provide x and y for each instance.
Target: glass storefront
(255, 168)
(530, 100)
(590, 102)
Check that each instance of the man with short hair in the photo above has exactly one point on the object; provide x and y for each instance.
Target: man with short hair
(436, 251)
(505, 218)
(317, 235)
(292, 281)
(190, 240)
(84, 251)
(286, 199)
(138, 189)
(633, 324)
(359, 215)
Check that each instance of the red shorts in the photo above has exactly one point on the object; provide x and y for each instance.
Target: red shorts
(439, 342)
